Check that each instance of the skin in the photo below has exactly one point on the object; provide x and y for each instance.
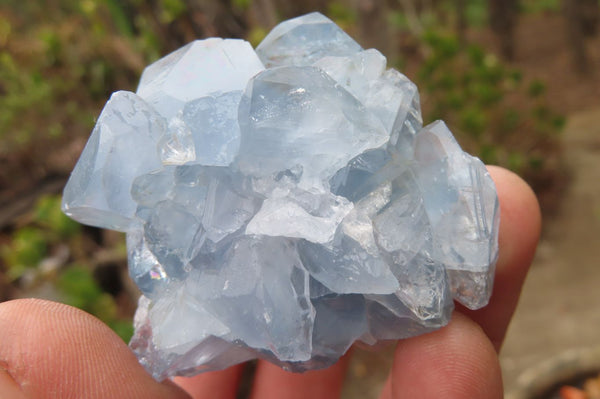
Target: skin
(50, 350)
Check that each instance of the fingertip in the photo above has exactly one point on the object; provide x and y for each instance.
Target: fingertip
(53, 350)
(519, 233)
(9, 388)
(519, 209)
(216, 384)
(457, 361)
(271, 382)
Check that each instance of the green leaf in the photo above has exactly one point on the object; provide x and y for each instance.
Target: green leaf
(78, 288)
(26, 250)
(473, 121)
(123, 328)
(536, 88)
(47, 213)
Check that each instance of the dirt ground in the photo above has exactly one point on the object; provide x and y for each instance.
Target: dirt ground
(559, 308)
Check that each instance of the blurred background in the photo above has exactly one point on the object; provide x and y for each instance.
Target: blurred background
(518, 82)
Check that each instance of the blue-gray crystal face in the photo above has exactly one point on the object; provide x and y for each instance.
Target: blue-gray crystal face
(285, 203)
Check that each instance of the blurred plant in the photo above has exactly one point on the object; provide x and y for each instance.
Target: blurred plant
(34, 244)
(30, 244)
(23, 95)
(486, 103)
(341, 14)
(536, 6)
(48, 215)
(59, 63)
(26, 250)
(78, 288)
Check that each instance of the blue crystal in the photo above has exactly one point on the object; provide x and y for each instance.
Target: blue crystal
(288, 212)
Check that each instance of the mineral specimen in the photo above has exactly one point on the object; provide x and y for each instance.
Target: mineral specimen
(284, 203)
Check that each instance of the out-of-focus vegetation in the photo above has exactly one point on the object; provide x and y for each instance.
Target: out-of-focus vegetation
(489, 105)
(61, 59)
(43, 256)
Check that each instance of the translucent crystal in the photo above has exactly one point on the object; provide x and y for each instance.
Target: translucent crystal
(284, 213)
(177, 146)
(299, 116)
(461, 203)
(303, 40)
(98, 191)
(196, 70)
(213, 123)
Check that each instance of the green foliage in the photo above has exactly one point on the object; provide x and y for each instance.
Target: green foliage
(473, 121)
(242, 4)
(172, 9)
(59, 63)
(79, 289)
(536, 88)
(119, 17)
(22, 93)
(398, 20)
(31, 244)
(537, 6)
(47, 214)
(341, 13)
(476, 12)
(510, 120)
(256, 35)
(5, 29)
(27, 248)
(493, 115)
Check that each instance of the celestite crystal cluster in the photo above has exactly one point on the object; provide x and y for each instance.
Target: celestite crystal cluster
(284, 203)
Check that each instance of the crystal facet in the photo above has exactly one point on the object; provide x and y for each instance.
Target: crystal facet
(285, 212)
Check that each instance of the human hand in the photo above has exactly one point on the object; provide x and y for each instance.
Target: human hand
(49, 350)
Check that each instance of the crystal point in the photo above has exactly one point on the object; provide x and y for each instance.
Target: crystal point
(98, 191)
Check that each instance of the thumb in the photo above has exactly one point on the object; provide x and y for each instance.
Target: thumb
(50, 350)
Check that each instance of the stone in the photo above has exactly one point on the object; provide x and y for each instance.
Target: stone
(284, 204)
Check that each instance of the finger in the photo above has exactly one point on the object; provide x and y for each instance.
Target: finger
(271, 382)
(520, 224)
(51, 350)
(218, 384)
(460, 361)
(455, 362)
(386, 392)
(9, 387)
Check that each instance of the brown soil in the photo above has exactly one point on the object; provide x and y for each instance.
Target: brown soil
(559, 305)
(542, 52)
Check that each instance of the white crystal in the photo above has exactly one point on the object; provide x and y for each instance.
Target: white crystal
(196, 70)
(288, 218)
(462, 205)
(304, 40)
(176, 147)
(355, 73)
(213, 123)
(98, 191)
(298, 116)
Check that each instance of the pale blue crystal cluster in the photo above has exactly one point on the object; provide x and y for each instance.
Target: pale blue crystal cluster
(284, 203)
